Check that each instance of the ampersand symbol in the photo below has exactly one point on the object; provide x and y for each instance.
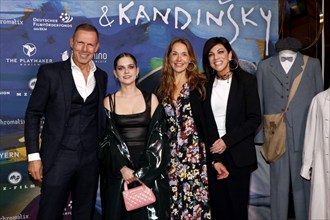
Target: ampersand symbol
(104, 16)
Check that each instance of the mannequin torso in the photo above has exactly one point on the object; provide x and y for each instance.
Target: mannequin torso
(287, 64)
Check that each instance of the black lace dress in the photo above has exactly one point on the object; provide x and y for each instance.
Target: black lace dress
(133, 129)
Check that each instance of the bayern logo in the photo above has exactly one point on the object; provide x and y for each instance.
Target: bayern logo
(65, 17)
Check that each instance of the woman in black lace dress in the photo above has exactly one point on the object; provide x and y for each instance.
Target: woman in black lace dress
(133, 146)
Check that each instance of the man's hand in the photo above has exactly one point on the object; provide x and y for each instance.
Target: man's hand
(35, 170)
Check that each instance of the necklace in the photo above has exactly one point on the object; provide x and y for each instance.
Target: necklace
(225, 76)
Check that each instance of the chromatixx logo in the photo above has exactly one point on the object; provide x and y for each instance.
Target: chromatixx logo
(29, 49)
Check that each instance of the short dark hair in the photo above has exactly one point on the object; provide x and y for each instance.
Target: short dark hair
(86, 27)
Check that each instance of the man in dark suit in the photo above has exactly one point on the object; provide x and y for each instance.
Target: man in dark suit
(69, 96)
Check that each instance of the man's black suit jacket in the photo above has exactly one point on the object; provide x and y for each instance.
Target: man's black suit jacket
(51, 99)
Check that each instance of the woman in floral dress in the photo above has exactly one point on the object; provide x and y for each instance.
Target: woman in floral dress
(181, 92)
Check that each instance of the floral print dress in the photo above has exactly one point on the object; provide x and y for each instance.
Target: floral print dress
(187, 167)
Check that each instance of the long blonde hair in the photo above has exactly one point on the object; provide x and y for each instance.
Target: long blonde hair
(196, 80)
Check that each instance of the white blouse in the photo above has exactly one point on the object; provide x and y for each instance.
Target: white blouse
(219, 99)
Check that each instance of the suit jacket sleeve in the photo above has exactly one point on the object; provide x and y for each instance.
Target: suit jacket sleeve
(259, 138)
(35, 111)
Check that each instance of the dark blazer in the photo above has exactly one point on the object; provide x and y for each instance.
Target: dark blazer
(196, 102)
(243, 117)
(51, 99)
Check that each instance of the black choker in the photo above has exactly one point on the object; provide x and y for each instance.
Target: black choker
(225, 76)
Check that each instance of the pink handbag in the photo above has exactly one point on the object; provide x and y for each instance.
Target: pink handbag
(138, 197)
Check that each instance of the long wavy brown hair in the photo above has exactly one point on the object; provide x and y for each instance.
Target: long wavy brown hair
(196, 80)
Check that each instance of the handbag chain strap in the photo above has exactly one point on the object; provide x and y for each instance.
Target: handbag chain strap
(296, 82)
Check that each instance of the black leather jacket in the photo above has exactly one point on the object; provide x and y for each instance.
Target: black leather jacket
(114, 154)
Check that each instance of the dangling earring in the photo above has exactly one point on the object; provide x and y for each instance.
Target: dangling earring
(233, 64)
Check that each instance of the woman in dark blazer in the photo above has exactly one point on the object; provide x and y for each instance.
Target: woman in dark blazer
(232, 111)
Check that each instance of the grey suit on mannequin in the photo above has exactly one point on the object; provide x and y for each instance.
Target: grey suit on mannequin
(274, 85)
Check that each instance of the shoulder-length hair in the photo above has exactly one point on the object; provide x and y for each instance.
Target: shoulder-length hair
(196, 80)
(208, 46)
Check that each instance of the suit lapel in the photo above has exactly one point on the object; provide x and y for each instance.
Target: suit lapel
(276, 68)
(209, 90)
(67, 82)
(232, 94)
(99, 83)
(296, 67)
(99, 87)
